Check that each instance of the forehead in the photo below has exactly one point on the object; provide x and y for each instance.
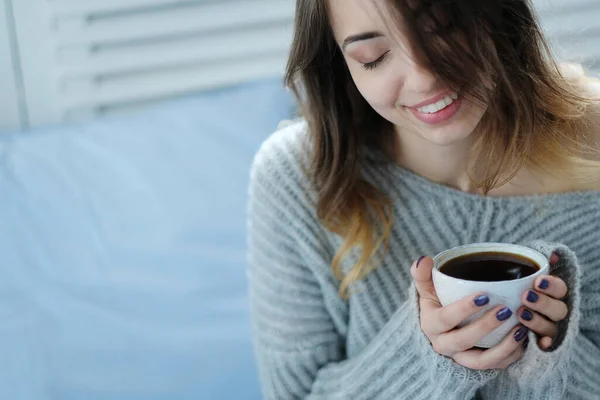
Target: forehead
(350, 17)
(353, 16)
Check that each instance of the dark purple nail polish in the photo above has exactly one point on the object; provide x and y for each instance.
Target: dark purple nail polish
(527, 315)
(481, 300)
(419, 260)
(544, 284)
(532, 297)
(504, 314)
(520, 334)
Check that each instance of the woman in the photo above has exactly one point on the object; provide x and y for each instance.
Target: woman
(428, 125)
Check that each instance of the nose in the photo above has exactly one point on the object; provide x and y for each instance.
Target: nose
(417, 78)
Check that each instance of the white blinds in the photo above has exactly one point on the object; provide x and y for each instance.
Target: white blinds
(86, 57)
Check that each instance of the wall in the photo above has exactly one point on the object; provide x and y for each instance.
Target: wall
(10, 112)
(64, 61)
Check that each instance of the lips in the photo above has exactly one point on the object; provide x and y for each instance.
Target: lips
(437, 109)
(438, 105)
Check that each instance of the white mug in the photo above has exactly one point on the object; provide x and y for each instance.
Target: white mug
(507, 293)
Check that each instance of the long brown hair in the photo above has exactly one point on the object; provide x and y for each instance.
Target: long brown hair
(533, 117)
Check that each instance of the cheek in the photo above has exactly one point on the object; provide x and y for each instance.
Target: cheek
(378, 92)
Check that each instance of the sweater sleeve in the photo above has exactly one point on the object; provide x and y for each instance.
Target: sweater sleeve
(299, 321)
(571, 368)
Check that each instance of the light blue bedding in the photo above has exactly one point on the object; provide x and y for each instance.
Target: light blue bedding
(122, 252)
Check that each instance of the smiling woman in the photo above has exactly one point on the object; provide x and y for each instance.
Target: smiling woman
(428, 125)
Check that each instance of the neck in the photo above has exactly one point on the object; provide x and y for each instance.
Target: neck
(446, 165)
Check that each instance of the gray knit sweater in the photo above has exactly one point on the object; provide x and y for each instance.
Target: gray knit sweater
(311, 344)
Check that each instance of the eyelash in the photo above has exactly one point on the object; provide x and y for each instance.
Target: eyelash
(374, 64)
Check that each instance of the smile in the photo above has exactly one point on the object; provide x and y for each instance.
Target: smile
(437, 110)
(439, 105)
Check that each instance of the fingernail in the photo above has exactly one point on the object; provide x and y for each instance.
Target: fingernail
(419, 260)
(481, 300)
(532, 297)
(544, 284)
(504, 314)
(527, 315)
(520, 334)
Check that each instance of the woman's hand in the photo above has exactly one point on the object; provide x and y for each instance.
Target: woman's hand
(544, 307)
(439, 324)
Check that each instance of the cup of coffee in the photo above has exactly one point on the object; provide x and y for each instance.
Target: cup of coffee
(500, 270)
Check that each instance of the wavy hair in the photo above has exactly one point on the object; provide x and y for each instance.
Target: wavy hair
(534, 114)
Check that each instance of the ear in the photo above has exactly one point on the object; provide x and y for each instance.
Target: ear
(592, 88)
(589, 85)
(571, 71)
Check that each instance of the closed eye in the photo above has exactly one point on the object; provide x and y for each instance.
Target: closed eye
(374, 64)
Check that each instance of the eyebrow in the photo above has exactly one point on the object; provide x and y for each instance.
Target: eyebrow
(359, 37)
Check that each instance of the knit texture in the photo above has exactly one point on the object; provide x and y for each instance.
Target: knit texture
(311, 344)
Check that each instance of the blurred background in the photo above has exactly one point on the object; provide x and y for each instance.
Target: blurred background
(127, 131)
(72, 60)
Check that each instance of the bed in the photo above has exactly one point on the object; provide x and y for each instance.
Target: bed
(122, 251)
(132, 125)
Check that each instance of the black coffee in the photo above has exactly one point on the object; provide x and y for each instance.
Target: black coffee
(490, 267)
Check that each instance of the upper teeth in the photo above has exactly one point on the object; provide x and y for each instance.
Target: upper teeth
(439, 105)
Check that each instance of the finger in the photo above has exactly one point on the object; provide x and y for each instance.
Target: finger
(504, 353)
(554, 309)
(552, 286)
(421, 273)
(468, 358)
(450, 316)
(554, 258)
(512, 358)
(537, 323)
(545, 343)
(447, 318)
(458, 340)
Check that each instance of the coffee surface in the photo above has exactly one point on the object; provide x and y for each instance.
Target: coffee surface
(490, 267)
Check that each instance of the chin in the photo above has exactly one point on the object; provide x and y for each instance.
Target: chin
(447, 135)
